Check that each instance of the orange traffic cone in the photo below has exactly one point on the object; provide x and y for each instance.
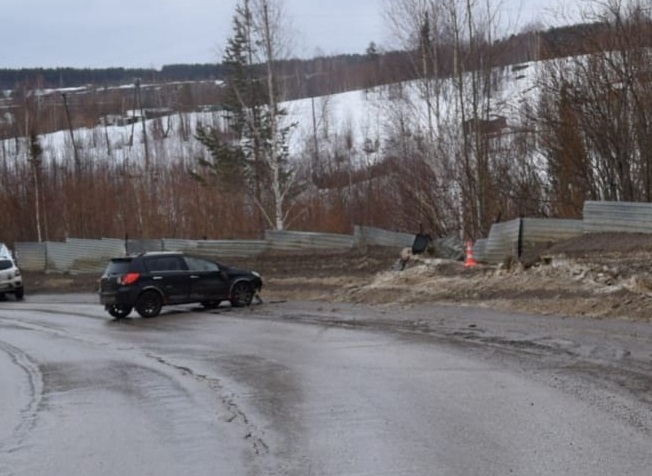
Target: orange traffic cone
(470, 260)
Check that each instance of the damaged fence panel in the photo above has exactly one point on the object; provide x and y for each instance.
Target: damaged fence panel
(524, 237)
(501, 243)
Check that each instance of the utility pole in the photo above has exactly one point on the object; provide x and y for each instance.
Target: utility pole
(72, 135)
(311, 92)
(78, 171)
(314, 129)
(142, 119)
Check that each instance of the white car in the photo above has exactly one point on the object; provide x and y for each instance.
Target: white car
(11, 281)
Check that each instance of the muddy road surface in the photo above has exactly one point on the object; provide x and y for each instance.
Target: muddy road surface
(310, 388)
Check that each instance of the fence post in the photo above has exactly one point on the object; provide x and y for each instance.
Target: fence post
(519, 246)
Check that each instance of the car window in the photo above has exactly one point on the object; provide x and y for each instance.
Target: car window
(164, 263)
(116, 267)
(6, 264)
(199, 264)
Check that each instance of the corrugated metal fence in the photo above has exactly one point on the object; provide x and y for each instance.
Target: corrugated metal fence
(509, 239)
(73, 254)
(517, 238)
(78, 256)
(367, 235)
(301, 240)
(600, 217)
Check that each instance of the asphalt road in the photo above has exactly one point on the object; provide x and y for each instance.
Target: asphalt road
(317, 389)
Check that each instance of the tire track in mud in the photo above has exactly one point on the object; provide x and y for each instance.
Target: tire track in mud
(236, 415)
(29, 412)
(251, 433)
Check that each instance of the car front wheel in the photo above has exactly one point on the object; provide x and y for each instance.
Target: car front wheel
(242, 294)
(149, 304)
(20, 292)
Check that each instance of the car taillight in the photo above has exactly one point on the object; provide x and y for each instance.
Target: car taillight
(129, 278)
(17, 272)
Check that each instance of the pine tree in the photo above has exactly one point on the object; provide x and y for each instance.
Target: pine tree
(253, 150)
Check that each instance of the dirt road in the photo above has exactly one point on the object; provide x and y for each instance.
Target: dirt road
(296, 388)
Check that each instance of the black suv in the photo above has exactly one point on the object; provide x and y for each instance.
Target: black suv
(149, 281)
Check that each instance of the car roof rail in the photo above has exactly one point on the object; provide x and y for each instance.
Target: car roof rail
(160, 253)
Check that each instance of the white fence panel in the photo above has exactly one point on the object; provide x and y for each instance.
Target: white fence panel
(379, 237)
(31, 256)
(231, 248)
(601, 217)
(80, 255)
(304, 240)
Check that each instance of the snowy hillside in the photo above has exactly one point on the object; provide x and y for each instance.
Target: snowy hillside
(356, 118)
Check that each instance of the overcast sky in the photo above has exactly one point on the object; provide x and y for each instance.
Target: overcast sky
(152, 33)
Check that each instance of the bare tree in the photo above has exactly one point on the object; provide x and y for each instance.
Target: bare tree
(595, 114)
(454, 61)
(258, 148)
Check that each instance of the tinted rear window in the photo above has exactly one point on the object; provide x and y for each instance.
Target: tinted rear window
(164, 263)
(118, 266)
(6, 264)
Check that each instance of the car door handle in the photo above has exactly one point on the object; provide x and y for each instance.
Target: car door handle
(194, 276)
(157, 277)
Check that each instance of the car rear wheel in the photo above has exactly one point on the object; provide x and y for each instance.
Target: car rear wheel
(242, 294)
(118, 311)
(149, 304)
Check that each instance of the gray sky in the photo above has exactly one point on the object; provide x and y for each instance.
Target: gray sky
(152, 33)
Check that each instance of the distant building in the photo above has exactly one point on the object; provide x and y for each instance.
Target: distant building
(487, 127)
(133, 116)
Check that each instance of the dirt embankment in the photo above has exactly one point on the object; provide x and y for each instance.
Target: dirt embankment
(599, 276)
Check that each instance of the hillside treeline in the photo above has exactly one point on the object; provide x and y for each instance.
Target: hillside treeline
(453, 152)
(559, 41)
(92, 94)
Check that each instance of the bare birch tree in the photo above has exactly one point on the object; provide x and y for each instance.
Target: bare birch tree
(451, 43)
(256, 146)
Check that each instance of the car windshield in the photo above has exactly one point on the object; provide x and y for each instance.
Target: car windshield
(120, 266)
(6, 264)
